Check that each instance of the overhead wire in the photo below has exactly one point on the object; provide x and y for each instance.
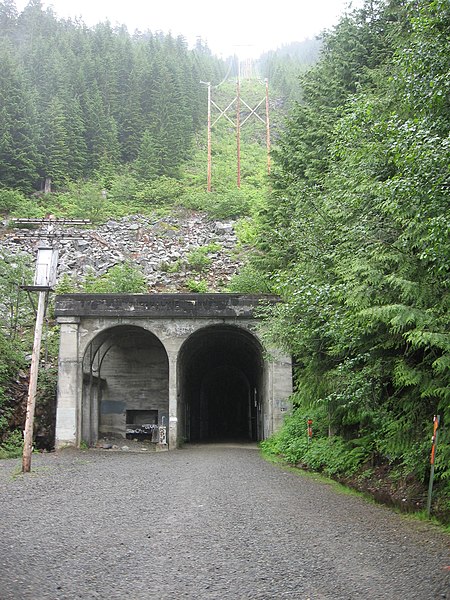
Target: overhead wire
(230, 66)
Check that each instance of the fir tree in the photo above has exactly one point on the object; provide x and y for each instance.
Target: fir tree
(18, 154)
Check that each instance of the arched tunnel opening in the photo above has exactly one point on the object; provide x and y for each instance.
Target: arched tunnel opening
(125, 384)
(221, 385)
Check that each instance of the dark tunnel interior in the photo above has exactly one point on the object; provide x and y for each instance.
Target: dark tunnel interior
(221, 385)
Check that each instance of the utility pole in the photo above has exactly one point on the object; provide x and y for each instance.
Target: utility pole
(238, 124)
(267, 127)
(44, 280)
(208, 84)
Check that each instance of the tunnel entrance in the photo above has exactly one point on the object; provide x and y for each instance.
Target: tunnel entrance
(125, 385)
(220, 391)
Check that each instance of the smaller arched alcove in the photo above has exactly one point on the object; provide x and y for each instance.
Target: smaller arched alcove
(220, 377)
(125, 385)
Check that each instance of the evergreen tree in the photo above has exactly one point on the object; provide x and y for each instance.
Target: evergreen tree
(101, 131)
(54, 144)
(18, 154)
(147, 164)
(92, 92)
(355, 236)
(8, 18)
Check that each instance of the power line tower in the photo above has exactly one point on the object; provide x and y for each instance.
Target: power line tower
(237, 106)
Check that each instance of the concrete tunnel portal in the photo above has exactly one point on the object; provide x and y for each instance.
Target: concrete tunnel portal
(191, 362)
(126, 380)
(221, 378)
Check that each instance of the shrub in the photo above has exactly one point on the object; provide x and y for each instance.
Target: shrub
(198, 259)
(10, 200)
(88, 201)
(249, 281)
(12, 446)
(328, 454)
(163, 190)
(197, 286)
(121, 279)
(219, 205)
(66, 285)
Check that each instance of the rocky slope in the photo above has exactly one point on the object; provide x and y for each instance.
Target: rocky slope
(171, 251)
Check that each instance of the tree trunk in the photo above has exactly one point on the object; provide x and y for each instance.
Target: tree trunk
(48, 185)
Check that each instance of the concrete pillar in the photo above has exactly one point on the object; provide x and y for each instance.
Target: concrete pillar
(281, 390)
(267, 407)
(69, 387)
(173, 400)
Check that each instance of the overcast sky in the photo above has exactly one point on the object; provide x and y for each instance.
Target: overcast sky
(244, 27)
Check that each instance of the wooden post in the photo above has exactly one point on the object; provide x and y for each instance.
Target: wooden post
(267, 127)
(31, 403)
(208, 84)
(209, 136)
(434, 440)
(238, 125)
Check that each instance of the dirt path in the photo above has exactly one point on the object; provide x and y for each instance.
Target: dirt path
(203, 523)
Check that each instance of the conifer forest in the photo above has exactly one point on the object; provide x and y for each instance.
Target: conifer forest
(351, 228)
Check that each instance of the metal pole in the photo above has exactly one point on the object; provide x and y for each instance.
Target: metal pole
(434, 440)
(267, 127)
(31, 403)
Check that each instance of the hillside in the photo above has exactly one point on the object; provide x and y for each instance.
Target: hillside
(174, 253)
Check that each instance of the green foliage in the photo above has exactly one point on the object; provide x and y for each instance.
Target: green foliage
(355, 240)
(198, 259)
(78, 101)
(220, 205)
(12, 445)
(86, 200)
(18, 140)
(15, 308)
(66, 285)
(15, 314)
(246, 230)
(284, 66)
(123, 278)
(29, 208)
(122, 187)
(10, 200)
(163, 190)
(354, 236)
(249, 281)
(146, 164)
(171, 267)
(11, 360)
(197, 286)
(330, 455)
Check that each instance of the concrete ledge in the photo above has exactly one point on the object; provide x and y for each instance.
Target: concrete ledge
(163, 306)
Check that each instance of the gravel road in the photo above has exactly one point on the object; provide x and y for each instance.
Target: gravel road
(204, 522)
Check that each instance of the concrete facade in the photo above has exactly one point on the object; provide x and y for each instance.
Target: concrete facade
(194, 362)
